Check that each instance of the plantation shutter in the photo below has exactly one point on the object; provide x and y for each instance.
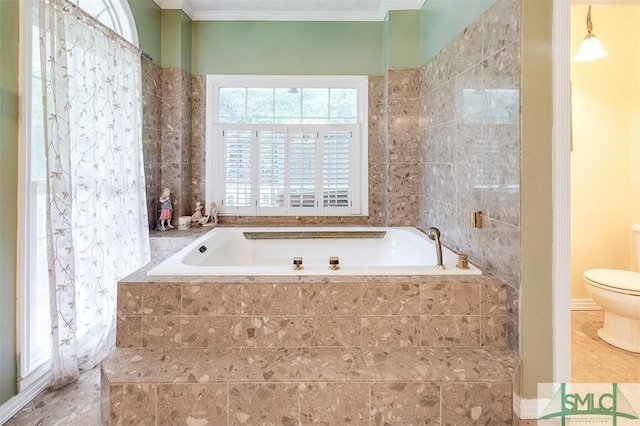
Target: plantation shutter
(336, 147)
(302, 169)
(272, 168)
(238, 169)
(278, 169)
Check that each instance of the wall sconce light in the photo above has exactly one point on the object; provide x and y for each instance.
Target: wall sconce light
(590, 48)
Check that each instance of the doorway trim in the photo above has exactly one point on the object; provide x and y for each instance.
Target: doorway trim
(561, 169)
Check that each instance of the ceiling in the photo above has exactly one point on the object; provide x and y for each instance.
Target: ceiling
(289, 10)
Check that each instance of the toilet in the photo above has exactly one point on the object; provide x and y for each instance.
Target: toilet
(618, 292)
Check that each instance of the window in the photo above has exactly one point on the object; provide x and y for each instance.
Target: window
(115, 14)
(34, 313)
(287, 146)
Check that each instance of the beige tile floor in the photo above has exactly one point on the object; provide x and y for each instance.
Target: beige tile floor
(77, 404)
(593, 361)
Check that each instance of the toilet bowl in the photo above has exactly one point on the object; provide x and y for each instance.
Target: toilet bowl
(618, 292)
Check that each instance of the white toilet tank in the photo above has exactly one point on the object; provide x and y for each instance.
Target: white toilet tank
(635, 229)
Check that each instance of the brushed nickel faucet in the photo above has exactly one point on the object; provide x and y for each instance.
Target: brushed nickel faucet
(434, 234)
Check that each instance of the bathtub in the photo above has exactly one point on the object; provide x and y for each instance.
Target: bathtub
(271, 251)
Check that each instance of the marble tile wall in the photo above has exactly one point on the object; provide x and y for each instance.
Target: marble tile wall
(151, 134)
(175, 149)
(384, 134)
(198, 141)
(470, 151)
(402, 160)
(377, 149)
(167, 135)
(454, 311)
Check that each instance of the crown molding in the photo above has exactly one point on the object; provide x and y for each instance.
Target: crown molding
(403, 4)
(183, 5)
(204, 15)
(606, 2)
(212, 15)
(388, 5)
(188, 8)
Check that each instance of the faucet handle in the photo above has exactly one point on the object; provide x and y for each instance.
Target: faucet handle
(463, 261)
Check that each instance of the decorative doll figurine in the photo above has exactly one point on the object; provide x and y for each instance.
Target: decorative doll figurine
(214, 213)
(197, 215)
(166, 210)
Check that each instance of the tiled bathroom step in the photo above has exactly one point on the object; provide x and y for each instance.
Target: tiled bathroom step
(308, 385)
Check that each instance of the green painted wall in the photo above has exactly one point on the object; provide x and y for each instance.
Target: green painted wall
(442, 20)
(404, 39)
(170, 37)
(254, 47)
(176, 40)
(147, 15)
(186, 42)
(385, 43)
(297, 48)
(536, 209)
(9, 30)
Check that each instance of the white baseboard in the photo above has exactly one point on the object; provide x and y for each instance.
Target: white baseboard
(526, 409)
(584, 305)
(17, 402)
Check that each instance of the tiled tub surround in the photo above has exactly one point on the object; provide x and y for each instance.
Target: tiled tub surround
(402, 157)
(166, 135)
(151, 134)
(313, 311)
(175, 142)
(366, 350)
(470, 153)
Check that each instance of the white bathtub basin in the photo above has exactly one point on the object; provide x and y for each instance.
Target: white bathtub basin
(227, 251)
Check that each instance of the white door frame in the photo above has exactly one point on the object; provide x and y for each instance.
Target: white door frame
(561, 180)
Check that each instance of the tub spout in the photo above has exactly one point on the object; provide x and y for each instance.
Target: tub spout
(434, 234)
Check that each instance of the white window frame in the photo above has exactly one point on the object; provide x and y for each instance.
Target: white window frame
(215, 158)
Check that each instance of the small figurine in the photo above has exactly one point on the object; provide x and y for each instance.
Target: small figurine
(197, 215)
(166, 210)
(214, 213)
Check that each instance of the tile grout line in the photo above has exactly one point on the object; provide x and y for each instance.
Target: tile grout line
(370, 402)
(299, 402)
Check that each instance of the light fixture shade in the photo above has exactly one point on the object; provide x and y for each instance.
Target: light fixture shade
(590, 49)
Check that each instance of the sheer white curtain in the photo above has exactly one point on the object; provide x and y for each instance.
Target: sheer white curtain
(97, 220)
